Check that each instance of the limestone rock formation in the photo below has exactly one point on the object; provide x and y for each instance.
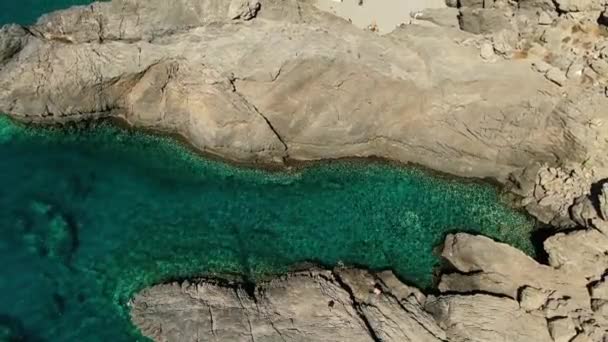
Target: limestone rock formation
(489, 291)
(269, 80)
(314, 305)
(500, 294)
(549, 193)
(519, 92)
(482, 318)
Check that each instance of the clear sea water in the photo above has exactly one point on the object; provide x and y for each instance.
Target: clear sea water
(89, 215)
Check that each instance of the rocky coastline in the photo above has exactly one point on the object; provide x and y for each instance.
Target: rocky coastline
(510, 90)
(489, 292)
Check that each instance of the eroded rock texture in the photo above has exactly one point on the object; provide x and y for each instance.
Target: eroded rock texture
(515, 299)
(519, 88)
(316, 305)
(268, 80)
(489, 292)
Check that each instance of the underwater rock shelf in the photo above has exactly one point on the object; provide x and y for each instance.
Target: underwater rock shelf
(92, 215)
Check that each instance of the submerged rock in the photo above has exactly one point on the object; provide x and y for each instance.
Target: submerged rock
(48, 232)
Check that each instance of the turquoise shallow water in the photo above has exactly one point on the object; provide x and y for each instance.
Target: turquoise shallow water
(26, 12)
(90, 215)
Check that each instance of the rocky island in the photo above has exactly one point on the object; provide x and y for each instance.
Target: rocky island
(514, 91)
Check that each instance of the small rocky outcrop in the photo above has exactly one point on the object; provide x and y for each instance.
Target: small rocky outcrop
(549, 193)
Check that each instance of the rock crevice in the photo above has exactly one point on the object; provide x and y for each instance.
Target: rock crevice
(322, 88)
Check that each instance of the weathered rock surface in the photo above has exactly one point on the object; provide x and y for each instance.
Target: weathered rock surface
(483, 318)
(489, 292)
(532, 303)
(314, 305)
(264, 81)
(522, 93)
(568, 293)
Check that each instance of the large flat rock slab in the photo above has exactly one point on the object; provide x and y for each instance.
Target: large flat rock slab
(294, 82)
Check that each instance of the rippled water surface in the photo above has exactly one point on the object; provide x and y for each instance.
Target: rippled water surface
(90, 215)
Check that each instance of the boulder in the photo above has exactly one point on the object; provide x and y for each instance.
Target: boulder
(481, 318)
(584, 252)
(490, 267)
(579, 5)
(244, 9)
(483, 20)
(445, 17)
(562, 329)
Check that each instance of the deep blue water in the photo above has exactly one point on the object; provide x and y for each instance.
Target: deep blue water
(90, 215)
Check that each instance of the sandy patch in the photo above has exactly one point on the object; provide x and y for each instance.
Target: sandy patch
(386, 14)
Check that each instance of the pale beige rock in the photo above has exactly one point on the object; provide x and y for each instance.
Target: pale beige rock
(311, 305)
(388, 316)
(398, 289)
(579, 5)
(217, 313)
(487, 52)
(600, 289)
(556, 195)
(445, 17)
(544, 18)
(286, 80)
(556, 76)
(494, 267)
(505, 42)
(562, 329)
(575, 70)
(584, 252)
(531, 299)
(483, 20)
(541, 66)
(568, 294)
(478, 318)
(329, 91)
(600, 66)
(244, 9)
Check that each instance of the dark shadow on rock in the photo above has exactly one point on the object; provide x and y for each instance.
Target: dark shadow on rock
(594, 196)
(538, 237)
